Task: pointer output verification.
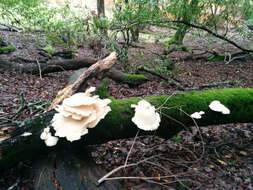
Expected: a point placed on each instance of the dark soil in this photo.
(222, 160)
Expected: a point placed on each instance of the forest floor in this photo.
(222, 158)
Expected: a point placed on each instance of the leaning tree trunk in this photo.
(189, 12)
(117, 124)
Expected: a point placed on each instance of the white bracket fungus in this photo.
(78, 113)
(197, 115)
(26, 134)
(217, 106)
(146, 117)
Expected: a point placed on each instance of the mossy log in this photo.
(117, 124)
(131, 79)
(7, 49)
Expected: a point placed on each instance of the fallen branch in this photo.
(80, 84)
(212, 33)
(48, 67)
(105, 177)
(152, 72)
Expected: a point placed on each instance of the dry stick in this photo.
(136, 177)
(131, 147)
(38, 184)
(201, 138)
(39, 69)
(203, 148)
(166, 101)
(105, 177)
(179, 122)
(230, 59)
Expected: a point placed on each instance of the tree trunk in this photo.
(188, 16)
(117, 124)
(180, 34)
(101, 7)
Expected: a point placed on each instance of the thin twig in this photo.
(131, 148)
(123, 166)
(39, 69)
(230, 59)
(201, 137)
(166, 101)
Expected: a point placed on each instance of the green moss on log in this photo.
(117, 124)
(217, 57)
(7, 49)
(135, 79)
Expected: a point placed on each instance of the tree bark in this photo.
(101, 7)
(117, 124)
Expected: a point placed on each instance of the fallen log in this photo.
(117, 124)
(130, 79)
(47, 67)
(43, 67)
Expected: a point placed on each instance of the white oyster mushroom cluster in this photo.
(48, 138)
(146, 117)
(217, 106)
(197, 115)
(78, 113)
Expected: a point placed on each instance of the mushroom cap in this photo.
(51, 140)
(79, 99)
(70, 128)
(146, 118)
(197, 115)
(100, 114)
(79, 112)
(25, 134)
(89, 90)
(217, 106)
(45, 134)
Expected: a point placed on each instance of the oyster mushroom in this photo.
(218, 107)
(146, 117)
(197, 115)
(48, 138)
(78, 113)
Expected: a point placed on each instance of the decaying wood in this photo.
(48, 67)
(95, 69)
(72, 168)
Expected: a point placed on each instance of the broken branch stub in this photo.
(80, 84)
